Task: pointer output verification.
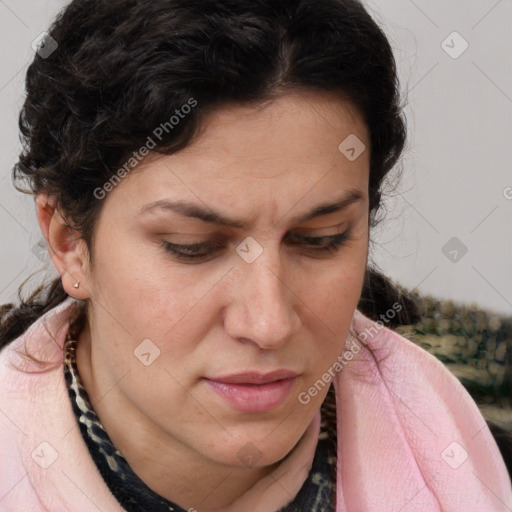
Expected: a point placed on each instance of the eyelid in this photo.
(210, 239)
(336, 228)
(200, 239)
(318, 232)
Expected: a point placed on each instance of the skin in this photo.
(291, 308)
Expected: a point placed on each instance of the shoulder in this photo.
(38, 427)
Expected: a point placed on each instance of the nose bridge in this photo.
(264, 306)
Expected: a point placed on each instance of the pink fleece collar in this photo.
(410, 437)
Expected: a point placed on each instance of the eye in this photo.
(197, 251)
(322, 245)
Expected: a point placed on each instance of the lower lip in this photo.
(254, 397)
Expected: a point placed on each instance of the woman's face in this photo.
(258, 292)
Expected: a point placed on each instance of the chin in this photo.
(251, 449)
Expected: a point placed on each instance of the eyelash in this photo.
(333, 245)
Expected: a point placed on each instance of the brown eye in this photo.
(321, 244)
(193, 251)
(204, 250)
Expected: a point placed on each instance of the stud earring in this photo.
(76, 285)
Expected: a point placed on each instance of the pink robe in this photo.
(410, 437)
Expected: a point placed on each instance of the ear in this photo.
(69, 255)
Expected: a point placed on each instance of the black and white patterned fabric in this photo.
(316, 495)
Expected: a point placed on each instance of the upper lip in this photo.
(254, 377)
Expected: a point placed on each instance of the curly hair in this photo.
(122, 67)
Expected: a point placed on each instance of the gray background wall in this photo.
(456, 187)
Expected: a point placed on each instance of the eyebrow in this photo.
(207, 215)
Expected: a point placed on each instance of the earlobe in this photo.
(64, 247)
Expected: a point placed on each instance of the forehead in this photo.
(266, 157)
(293, 125)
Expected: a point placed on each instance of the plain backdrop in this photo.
(448, 226)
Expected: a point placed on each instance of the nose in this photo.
(262, 308)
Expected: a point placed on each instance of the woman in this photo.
(206, 175)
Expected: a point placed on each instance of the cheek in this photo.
(128, 289)
(333, 301)
(142, 295)
(333, 294)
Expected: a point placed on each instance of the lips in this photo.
(254, 392)
(255, 377)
